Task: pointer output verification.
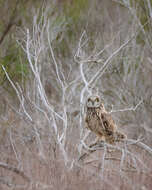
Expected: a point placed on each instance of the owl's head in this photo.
(93, 101)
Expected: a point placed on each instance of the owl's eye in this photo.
(89, 100)
(97, 99)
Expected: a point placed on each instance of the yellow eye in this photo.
(97, 99)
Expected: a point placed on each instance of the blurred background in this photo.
(52, 53)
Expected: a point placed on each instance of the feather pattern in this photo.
(100, 122)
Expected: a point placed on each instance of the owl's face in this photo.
(93, 102)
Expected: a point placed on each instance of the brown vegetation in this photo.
(55, 53)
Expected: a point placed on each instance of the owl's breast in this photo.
(93, 122)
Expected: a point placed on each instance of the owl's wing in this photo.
(107, 123)
(86, 122)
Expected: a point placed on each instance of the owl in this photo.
(99, 121)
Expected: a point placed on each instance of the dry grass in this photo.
(42, 127)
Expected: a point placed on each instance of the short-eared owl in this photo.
(99, 121)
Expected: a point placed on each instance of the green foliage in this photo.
(15, 64)
(69, 21)
(75, 13)
(1, 26)
(73, 9)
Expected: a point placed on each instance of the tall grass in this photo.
(44, 142)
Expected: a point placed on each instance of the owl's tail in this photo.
(120, 136)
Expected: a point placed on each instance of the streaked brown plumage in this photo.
(100, 121)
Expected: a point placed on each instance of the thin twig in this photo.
(127, 109)
(16, 170)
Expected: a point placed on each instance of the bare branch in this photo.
(16, 170)
(127, 109)
(107, 62)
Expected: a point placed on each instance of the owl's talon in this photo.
(110, 150)
(101, 142)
